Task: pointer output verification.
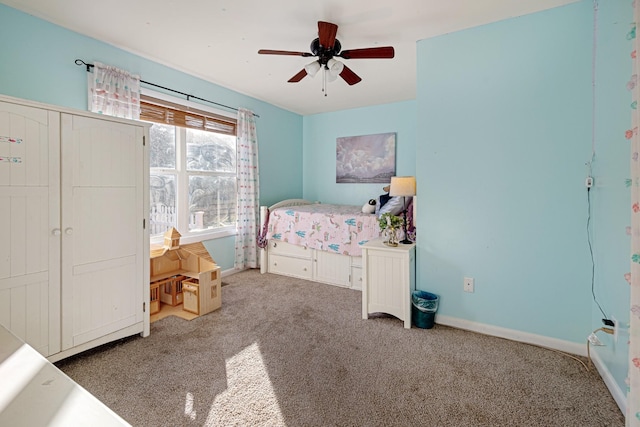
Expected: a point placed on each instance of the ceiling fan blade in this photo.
(327, 34)
(349, 76)
(370, 52)
(283, 52)
(298, 77)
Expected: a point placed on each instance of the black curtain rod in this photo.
(189, 97)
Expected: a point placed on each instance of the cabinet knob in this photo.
(304, 269)
(56, 232)
(275, 245)
(68, 231)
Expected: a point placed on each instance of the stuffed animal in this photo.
(369, 207)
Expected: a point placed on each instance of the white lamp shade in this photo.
(402, 186)
(312, 68)
(335, 67)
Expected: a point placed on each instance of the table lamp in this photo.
(403, 186)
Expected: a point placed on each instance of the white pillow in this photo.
(394, 206)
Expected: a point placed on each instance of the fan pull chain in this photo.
(324, 81)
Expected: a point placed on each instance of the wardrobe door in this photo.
(30, 218)
(102, 228)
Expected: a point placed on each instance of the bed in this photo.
(314, 241)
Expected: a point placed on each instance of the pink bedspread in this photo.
(335, 228)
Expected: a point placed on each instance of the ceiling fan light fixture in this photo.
(312, 68)
(325, 47)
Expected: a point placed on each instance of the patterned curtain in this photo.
(114, 92)
(633, 396)
(248, 192)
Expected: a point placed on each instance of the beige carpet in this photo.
(286, 352)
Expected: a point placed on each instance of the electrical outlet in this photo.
(588, 182)
(615, 329)
(468, 284)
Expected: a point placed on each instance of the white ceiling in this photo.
(218, 40)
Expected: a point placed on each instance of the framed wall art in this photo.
(366, 158)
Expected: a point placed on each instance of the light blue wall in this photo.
(321, 131)
(505, 113)
(611, 168)
(37, 63)
(504, 110)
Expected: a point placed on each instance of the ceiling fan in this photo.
(326, 47)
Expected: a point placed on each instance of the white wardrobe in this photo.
(74, 252)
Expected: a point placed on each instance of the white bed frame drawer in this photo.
(277, 247)
(296, 267)
(332, 268)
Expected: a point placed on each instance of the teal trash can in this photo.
(423, 309)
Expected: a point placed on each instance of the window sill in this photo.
(197, 237)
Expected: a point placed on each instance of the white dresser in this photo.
(388, 277)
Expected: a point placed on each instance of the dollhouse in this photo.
(184, 275)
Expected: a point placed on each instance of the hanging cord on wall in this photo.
(189, 97)
(594, 51)
(593, 263)
(593, 148)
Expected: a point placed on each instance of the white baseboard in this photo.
(512, 334)
(618, 395)
(542, 341)
(229, 272)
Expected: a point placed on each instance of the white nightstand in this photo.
(388, 277)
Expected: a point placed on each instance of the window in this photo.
(192, 170)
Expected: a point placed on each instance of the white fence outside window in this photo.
(163, 217)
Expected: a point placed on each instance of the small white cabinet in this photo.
(388, 277)
(73, 202)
